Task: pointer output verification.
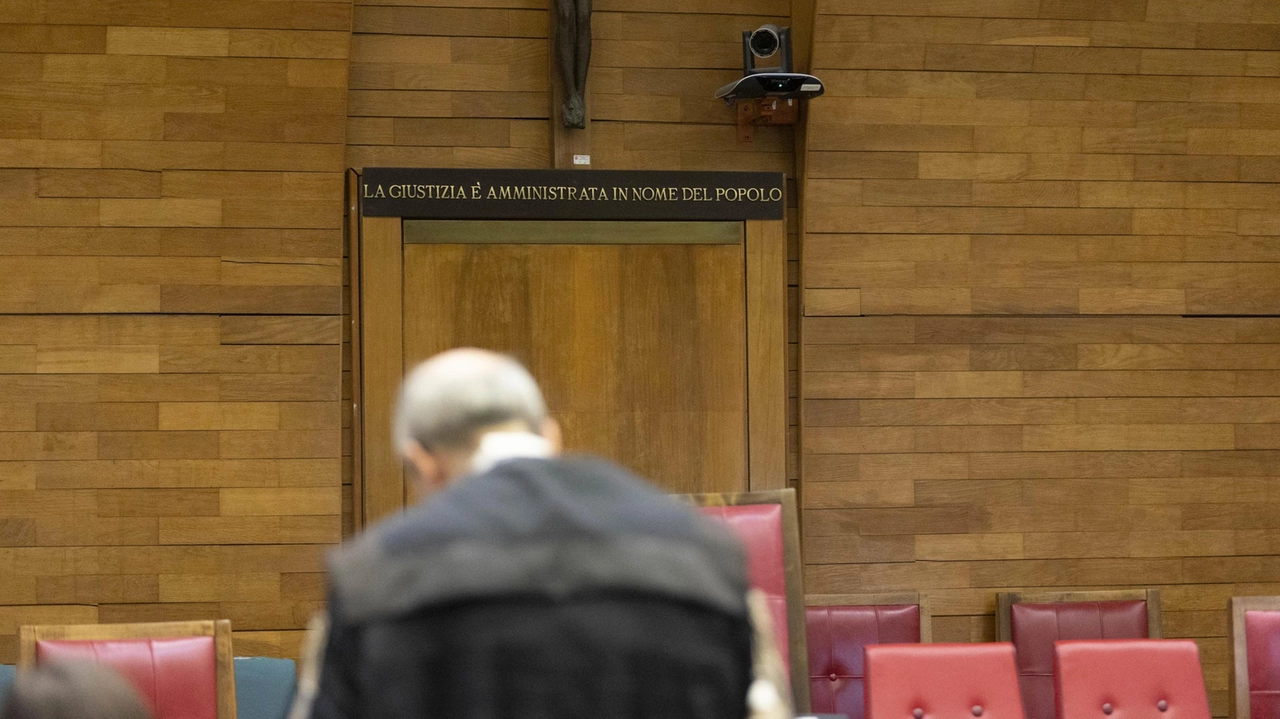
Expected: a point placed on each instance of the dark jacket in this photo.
(557, 588)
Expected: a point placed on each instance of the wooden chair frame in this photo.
(1006, 600)
(793, 570)
(1240, 708)
(867, 600)
(220, 630)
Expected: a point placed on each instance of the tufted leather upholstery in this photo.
(1036, 627)
(1129, 679)
(759, 526)
(837, 636)
(177, 677)
(1262, 641)
(942, 681)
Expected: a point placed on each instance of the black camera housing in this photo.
(778, 81)
(772, 84)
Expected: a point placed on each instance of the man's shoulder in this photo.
(538, 526)
(523, 498)
(528, 497)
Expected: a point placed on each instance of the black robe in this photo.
(557, 588)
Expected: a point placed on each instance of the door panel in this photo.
(640, 348)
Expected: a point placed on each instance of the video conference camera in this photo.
(779, 81)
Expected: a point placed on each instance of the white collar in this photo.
(496, 447)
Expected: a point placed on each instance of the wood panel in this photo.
(170, 322)
(969, 455)
(466, 84)
(766, 312)
(412, 89)
(382, 363)
(650, 374)
(140, 467)
(1040, 300)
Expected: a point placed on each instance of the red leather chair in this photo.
(1129, 679)
(184, 670)
(767, 525)
(942, 681)
(1034, 622)
(759, 526)
(840, 627)
(1255, 644)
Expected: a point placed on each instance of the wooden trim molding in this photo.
(220, 630)
(803, 30)
(793, 568)
(571, 232)
(803, 16)
(1006, 600)
(382, 352)
(766, 282)
(352, 228)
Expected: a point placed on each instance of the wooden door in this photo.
(641, 349)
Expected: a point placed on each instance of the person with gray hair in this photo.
(525, 583)
(462, 411)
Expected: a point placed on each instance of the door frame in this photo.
(376, 257)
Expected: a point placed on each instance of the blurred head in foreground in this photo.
(72, 690)
(464, 410)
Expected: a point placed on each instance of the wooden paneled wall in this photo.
(454, 83)
(171, 311)
(1042, 256)
(444, 83)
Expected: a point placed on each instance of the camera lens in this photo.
(765, 41)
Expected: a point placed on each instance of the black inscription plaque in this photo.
(454, 194)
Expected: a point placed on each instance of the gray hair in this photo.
(445, 401)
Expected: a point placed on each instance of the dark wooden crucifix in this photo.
(573, 50)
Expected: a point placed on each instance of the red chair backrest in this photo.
(837, 636)
(1035, 627)
(1262, 642)
(942, 681)
(177, 677)
(759, 527)
(1129, 679)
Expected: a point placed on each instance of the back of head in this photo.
(72, 690)
(448, 400)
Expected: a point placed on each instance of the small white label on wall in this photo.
(582, 159)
